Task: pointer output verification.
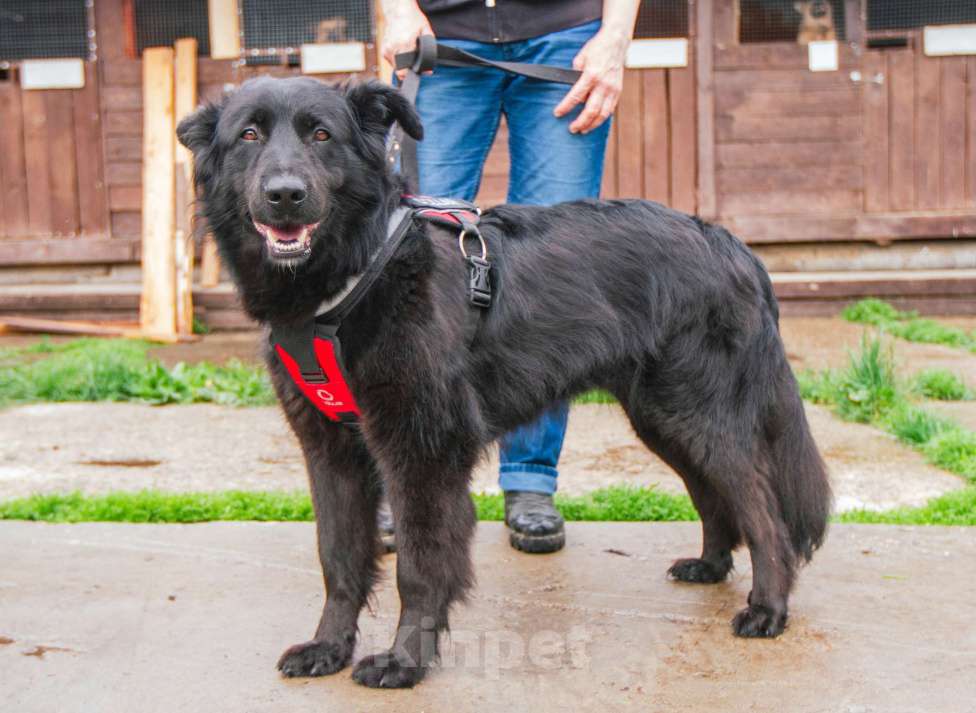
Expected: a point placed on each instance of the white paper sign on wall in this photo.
(646, 54)
(331, 57)
(945, 40)
(52, 74)
(823, 56)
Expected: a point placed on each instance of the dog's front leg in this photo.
(345, 493)
(426, 468)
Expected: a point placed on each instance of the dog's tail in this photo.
(799, 476)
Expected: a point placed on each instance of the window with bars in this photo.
(48, 29)
(797, 21)
(662, 18)
(910, 14)
(273, 32)
(159, 23)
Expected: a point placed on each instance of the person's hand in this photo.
(602, 63)
(404, 24)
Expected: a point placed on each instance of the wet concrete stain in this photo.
(39, 651)
(122, 463)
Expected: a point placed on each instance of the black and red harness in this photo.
(312, 353)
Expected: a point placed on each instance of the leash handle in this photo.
(430, 53)
(425, 58)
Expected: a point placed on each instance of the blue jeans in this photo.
(461, 108)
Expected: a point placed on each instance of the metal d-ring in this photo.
(484, 247)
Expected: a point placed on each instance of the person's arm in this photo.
(404, 24)
(602, 63)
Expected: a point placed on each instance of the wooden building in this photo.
(849, 164)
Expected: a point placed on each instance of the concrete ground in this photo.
(105, 446)
(119, 618)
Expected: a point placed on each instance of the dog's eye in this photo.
(321, 135)
(249, 135)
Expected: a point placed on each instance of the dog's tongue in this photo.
(285, 234)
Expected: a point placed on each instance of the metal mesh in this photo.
(159, 23)
(33, 29)
(798, 21)
(277, 29)
(909, 14)
(662, 18)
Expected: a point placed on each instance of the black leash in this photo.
(425, 58)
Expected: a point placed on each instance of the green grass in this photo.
(868, 391)
(956, 508)
(121, 370)
(616, 503)
(908, 325)
(613, 504)
(941, 385)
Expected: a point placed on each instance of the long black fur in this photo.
(676, 317)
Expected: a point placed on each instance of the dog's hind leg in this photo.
(427, 467)
(345, 493)
(726, 466)
(720, 534)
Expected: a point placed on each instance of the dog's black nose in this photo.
(285, 192)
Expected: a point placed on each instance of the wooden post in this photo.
(186, 100)
(225, 31)
(705, 75)
(384, 70)
(157, 309)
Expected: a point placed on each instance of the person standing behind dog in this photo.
(557, 141)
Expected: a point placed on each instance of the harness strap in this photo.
(330, 312)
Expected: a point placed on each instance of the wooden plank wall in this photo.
(920, 131)
(787, 140)
(51, 163)
(651, 150)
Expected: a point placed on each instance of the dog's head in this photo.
(815, 13)
(282, 165)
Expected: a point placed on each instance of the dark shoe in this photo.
(534, 524)
(384, 521)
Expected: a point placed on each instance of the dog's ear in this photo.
(197, 130)
(378, 105)
(798, 6)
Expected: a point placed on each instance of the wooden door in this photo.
(919, 131)
(51, 163)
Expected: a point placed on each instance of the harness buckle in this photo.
(479, 281)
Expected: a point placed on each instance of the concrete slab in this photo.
(107, 618)
(107, 446)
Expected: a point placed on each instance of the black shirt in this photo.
(506, 20)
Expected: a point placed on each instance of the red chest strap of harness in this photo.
(312, 353)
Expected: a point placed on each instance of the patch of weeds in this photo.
(956, 508)
(121, 370)
(199, 326)
(908, 325)
(913, 425)
(942, 385)
(867, 389)
(596, 396)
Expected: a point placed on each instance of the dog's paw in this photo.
(315, 658)
(385, 671)
(698, 571)
(758, 621)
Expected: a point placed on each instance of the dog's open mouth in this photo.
(289, 240)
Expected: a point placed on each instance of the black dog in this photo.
(674, 316)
